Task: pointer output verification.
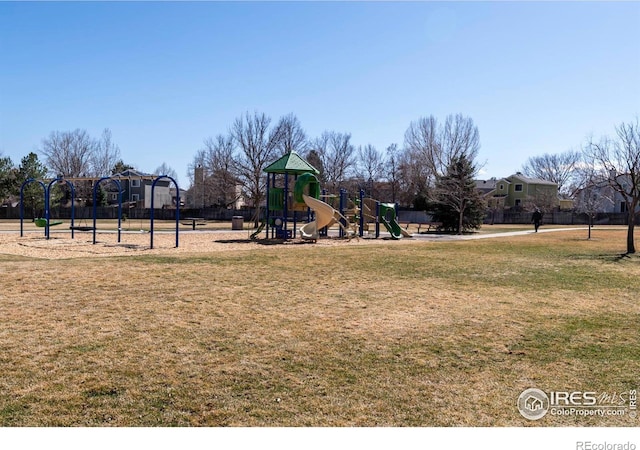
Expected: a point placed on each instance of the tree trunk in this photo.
(631, 248)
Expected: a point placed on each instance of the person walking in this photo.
(536, 219)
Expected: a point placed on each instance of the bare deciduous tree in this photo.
(620, 156)
(370, 167)
(415, 179)
(289, 135)
(392, 170)
(431, 148)
(218, 183)
(165, 169)
(69, 153)
(459, 139)
(318, 151)
(591, 192)
(337, 155)
(77, 154)
(422, 146)
(438, 146)
(105, 155)
(257, 145)
(557, 168)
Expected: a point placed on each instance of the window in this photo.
(135, 183)
(518, 202)
(135, 197)
(518, 188)
(623, 207)
(114, 196)
(501, 187)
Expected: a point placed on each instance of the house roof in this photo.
(486, 185)
(604, 183)
(291, 163)
(134, 174)
(529, 180)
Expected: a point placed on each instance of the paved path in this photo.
(464, 237)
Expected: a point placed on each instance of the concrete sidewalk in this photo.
(466, 237)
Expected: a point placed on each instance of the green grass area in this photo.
(389, 334)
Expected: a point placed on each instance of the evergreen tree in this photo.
(31, 167)
(459, 205)
(7, 178)
(120, 167)
(314, 159)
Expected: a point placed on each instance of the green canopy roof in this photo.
(291, 163)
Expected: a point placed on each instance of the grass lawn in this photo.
(389, 334)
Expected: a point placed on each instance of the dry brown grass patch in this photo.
(342, 333)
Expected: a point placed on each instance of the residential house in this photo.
(486, 186)
(602, 198)
(174, 196)
(519, 192)
(208, 191)
(136, 189)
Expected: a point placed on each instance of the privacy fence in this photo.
(129, 213)
(492, 217)
(558, 218)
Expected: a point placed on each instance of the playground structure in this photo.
(325, 216)
(294, 197)
(47, 223)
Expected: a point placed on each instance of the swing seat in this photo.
(81, 228)
(43, 223)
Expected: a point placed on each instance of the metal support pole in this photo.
(44, 189)
(47, 208)
(73, 200)
(361, 227)
(285, 206)
(267, 215)
(153, 188)
(377, 219)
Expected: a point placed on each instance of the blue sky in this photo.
(536, 77)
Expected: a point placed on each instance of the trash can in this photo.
(237, 222)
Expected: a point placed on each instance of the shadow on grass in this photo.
(234, 241)
(130, 246)
(262, 241)
(619, 257)
(610, 257)
(283, 242)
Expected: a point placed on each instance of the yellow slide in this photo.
(325, 217)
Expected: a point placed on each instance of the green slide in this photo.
(388, 219)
